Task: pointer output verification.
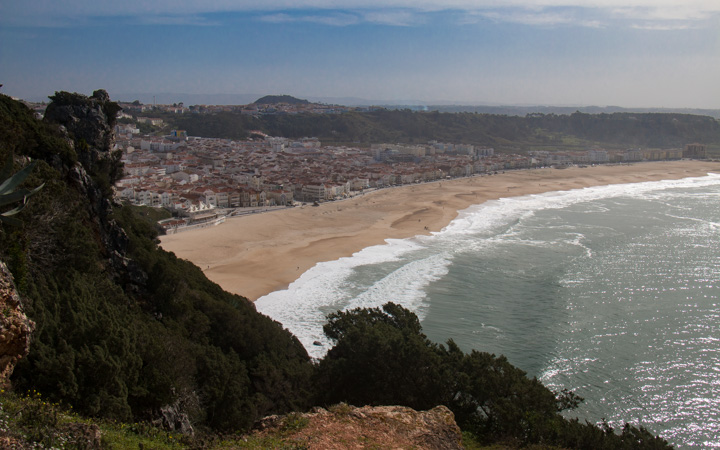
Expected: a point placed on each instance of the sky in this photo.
(630, 53)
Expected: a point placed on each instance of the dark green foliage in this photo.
(226, 125)
(111, 109)
(633, 129)
(122, 337)
(382, 357)
(493, 398)
(230, 405)
(22, 134)
(69, 98)
(275, 99)
(149, 214)
(620, 130)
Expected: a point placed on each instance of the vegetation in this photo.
(124, 329)
(275, 99)
(122, 337)
(511, 133)
(381, 357)
(31, 421)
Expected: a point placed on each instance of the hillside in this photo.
(567, 110)
(276, 99)
(127, 332)
(123, 328)
(511, 133)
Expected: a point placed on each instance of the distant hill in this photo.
(275, 99)
(561, 110)
(576, 131)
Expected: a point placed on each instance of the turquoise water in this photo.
(610, 291)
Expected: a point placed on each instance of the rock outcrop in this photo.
(88, 124)
(343, 426)
(88, 120)
(175, 418)
(15, 327)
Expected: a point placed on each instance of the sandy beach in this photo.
(258, 254)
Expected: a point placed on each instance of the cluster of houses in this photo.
(196, 174)
(190, 174)
(601, 156)
(253, 109)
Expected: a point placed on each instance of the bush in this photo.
(381, 356)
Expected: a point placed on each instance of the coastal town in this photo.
(203, 180)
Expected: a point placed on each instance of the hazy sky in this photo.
(633, 53)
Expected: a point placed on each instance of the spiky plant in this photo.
(7, 196)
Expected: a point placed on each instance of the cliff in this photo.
(89, 122)
(125, 330)
(15, 327)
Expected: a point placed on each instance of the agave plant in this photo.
(7, 196)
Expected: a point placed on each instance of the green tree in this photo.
(124, 328)
(380, 357)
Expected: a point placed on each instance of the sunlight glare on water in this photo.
(609, 291)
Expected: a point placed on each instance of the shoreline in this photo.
(255, 255)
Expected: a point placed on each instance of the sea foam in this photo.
(402, 269)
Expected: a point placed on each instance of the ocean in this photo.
(610, 291)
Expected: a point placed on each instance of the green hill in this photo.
(123, 327)
(511, 133)
(276, 99)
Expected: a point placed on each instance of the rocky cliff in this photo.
(15, 327)
(343, 427)
(89, 122)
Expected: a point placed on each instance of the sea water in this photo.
(610, 291)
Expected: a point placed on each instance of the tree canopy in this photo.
(124, 328)
(536, 131)
(275, 99)
(381, 356)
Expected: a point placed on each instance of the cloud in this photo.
(661, 26)
(190, 20)
(395, 18)
(335, 19)
(540, 18)
(338, 19)
(587, 13)
(664, 13)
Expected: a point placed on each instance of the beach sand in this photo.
(260, 253)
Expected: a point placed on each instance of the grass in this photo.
(38, 423)
(294, 422)
(151, 215)
(34, 422)
(29, 421)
